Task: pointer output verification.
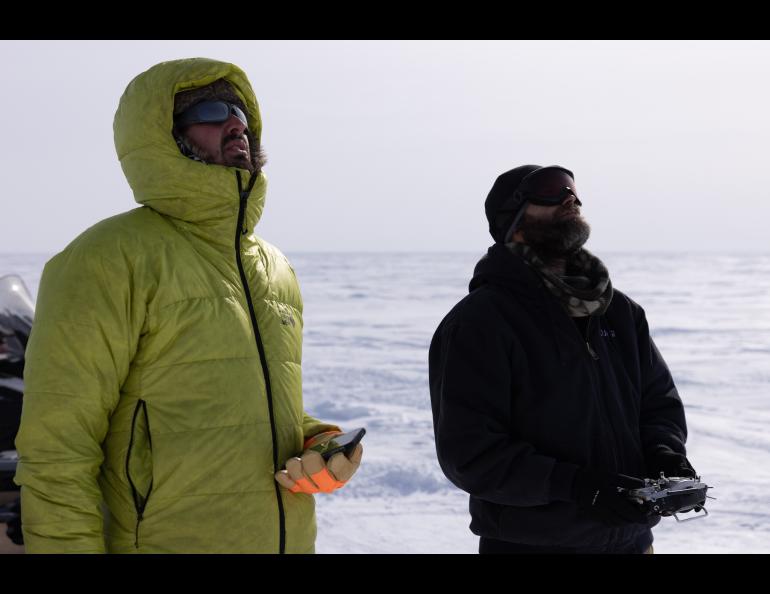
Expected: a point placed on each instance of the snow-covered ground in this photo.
(369, 319)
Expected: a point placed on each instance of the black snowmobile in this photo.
(17, 311)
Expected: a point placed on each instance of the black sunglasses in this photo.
(535, 188)
(550, 199)
(210, 112)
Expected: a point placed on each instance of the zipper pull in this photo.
(592, 352)
(244, 199)
(136, 533)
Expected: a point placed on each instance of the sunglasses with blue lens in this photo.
(209, 112)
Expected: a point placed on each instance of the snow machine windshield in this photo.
(17, 311)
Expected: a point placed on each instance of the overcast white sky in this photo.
(393, 146)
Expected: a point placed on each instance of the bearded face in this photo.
(554, 232)
(215, 143)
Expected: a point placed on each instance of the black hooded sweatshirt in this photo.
(522, 397)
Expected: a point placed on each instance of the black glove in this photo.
(597, 494)
(667, 461)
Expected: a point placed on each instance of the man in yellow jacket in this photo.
(163, 382)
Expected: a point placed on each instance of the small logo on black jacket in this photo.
(606, 333)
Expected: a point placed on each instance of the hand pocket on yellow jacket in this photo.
(139, 458)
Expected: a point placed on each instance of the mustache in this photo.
(564, 212)
(232, 137)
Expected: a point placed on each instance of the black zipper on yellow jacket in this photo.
(244, 196)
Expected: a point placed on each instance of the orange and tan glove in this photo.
(310, 473)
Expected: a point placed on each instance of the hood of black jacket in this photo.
(500, 266)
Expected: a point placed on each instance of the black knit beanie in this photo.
(503, 188)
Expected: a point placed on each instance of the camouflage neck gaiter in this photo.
(586, 288)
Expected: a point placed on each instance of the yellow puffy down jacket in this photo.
(163, 379)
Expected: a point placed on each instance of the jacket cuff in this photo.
(318, 437)
(562, 479)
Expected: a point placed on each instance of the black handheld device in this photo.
(668, 496)
(344, 443)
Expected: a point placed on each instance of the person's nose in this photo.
(570, 200)
(234, 126)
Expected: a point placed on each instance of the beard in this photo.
(241, 161)
(556, 238)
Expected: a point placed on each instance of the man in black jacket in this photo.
(548, 392)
